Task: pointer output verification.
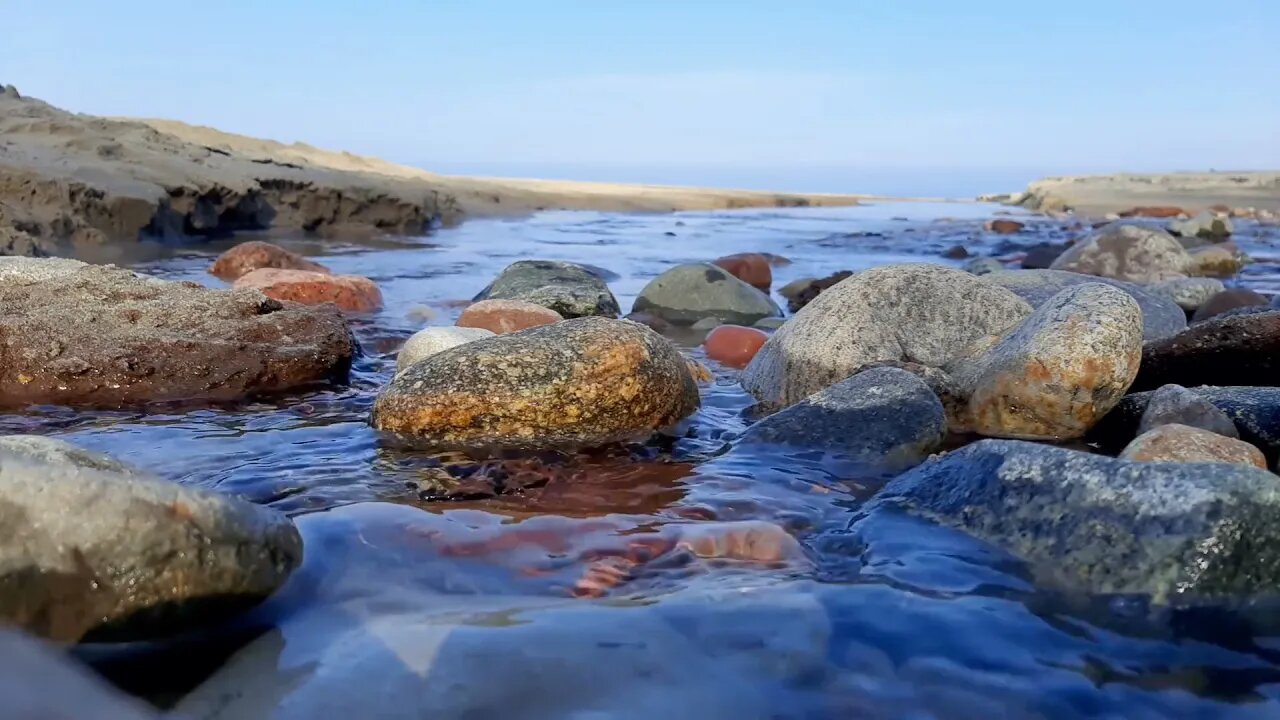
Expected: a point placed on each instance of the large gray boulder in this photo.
(686, 294)
(884, 419)
(1161, 316)
(568, 288)
(91, 549)
(1060, 371)
(1127, 252)
(1175, 532)
(926, 314)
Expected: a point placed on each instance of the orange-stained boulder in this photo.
(349, 292)
(734, 345)
(751, 268)
(255, 255)
(506, 316)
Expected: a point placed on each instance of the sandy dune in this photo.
(1101, 194)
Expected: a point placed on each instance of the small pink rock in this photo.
(506, 316)
(734, 345)
(349, 292)
(255, 255)
(751, 268)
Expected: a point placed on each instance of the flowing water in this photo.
(665, 579)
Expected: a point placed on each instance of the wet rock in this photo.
(1185, 444)
(1154, 211)
(506, 316)
(652, 322)
(805, 294)
(1241, 350)
(886, 419)
(587, 381)
(769, 323)
(1004, 227)
(1177, 533)
(1254, 411)
(38, 681)
(982, 266)
(795, 287)
(707, 323)
(91, 335)
(1229, 299)
(1221, 261)
(956, 252)
(914, 312)
(1188, 293)
(1176, 405)
(686, 294)
(1207, 225)
(254, 255)
(700, 373)
(1161, 317)
(1126, 252)
(145, 559)
(429, 341)
(1042, 256)
(570, 289)
(1059, 371)
(776, 260)
(349, 292)
(751, 268)
(734, 345)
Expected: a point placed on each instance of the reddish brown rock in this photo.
(1228, 299)
(1182, 443)
(751, 268)
(1225, 350)
(506, 316)
(103, 336)
(349, 292)
(734, 345)
(255, 255)
(1154, 211)
(1004, 227)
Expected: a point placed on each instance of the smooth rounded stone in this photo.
(734, 345)
(1185, 444)
(1004, 227)
(1227, 300)
(568, 288)
(1179, 533)
(686, 294)
(255, 254)
(886, 419)
(352, 293)
(948, 391)
(1042, 256)
(1176, 405)
(506, 316)
(982, 266)
(1254, 411)
(795, 287)
(753, 269)
(1234, 350)
(920, 313)
(1126, 252)
(97, 551)
(39, 682)
(1207, 225)
(707, 323)
(429, 341)
(1161, 317)
(1223, 260)
(1058, 372)
(811, 289)
(1188, 293)
(586, 381)
(103, 336)
(655, 324)
(956, 252)
(769, 323)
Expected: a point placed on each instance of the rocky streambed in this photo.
(934, 485)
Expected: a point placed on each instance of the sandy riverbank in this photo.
(1194, 192)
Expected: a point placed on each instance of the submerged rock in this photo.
(1220, 261)
(885, 419)
(1161, 317)
(751, 268)
(429, 341)
(1060, 370)
(352, 293)
(255, 254)
(920, 313)
(506, 316)
(570, 289)
(1188, 293)
(1207, 225)
(1186, 444)
(734, 345)
(1127, 252)
(1228, 300)
(686, 294)
(1178, 533)
(75, 334)
(1176, 405)
(1235, 350)
(95, 550)
(587, 381)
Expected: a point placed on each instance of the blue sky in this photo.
(742, 92)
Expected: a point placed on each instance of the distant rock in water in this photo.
(95, 550)
(352, 293)
(75, 334)
(1156, 211)
(429, 341)
(249, 256)
(1004, 227)
(1127, 252)
(570, 289)
(753, 269)
(685, 294)
(1207, 225)
(1042, 256)
(506, 316)
(802, 292)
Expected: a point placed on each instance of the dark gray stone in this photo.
(686, 294)
(1161, 316)
(884, 418)
(1040, 257)
(1179, 533)
(1176, 405)
(91, 549)
(1228, 300)
(570, 289)
(1255, 412)
(1225, 350)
